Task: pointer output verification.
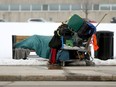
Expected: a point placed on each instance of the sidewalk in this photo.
(42, 73)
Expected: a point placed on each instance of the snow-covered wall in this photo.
(9, 29)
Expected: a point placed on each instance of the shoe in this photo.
(54, 66)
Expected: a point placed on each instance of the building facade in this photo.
(57, 10)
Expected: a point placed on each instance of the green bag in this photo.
(75, 22)
(69, 43)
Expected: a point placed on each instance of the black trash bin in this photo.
(105, 43)
(13, 42)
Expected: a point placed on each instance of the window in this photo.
(14, 7)
(36, 7)
(76, 7)
(45, 7)
(96, 7)
(113, 7)
(54, 7)
(4, 7)
(105, 7)
(25, 7)
(64, 7)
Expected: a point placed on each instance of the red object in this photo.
(53, 56)
(94, 42)
(91, 21)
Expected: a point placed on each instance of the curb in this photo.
(56, 78)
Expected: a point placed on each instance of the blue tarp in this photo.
(38, 43)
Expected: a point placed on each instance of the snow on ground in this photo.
(104, 62)
(31, 61)
(34, 59)
(43, 61)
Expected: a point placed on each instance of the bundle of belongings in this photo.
(36, 43)
(71, 41)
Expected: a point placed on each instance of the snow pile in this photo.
(104, 62)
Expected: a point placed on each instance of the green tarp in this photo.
(38, 43)
(75, 22)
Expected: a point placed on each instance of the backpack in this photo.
(86, 31)
(55, 42)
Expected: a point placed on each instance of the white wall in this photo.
(9, 29)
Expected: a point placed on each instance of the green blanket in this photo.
(37, 43)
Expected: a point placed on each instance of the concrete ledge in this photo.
(42, 73)
(56, 78)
